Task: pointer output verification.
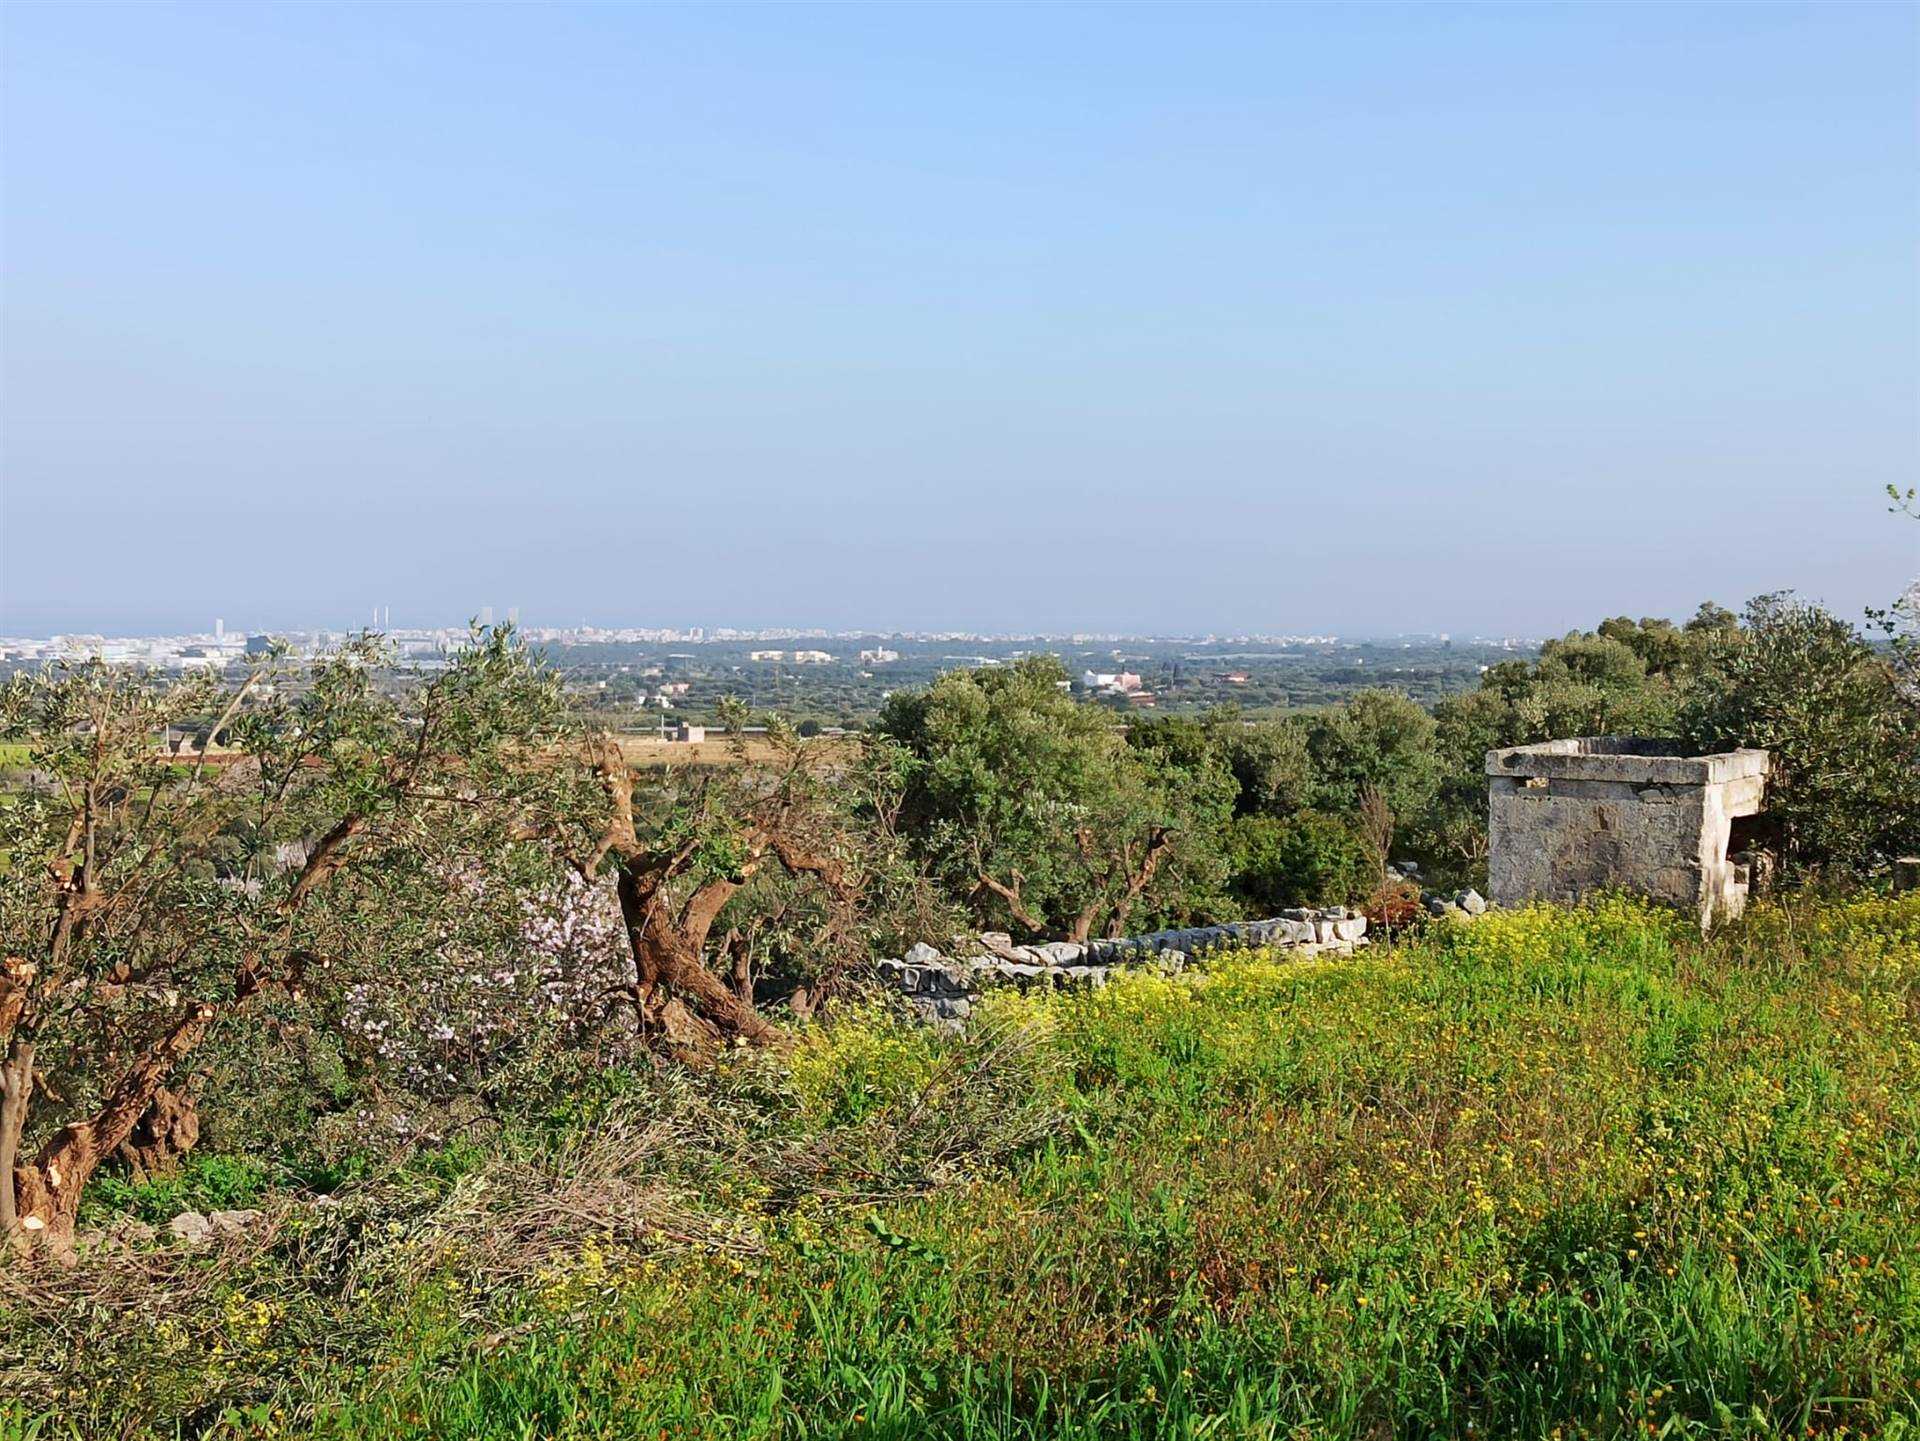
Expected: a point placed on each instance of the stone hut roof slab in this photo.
(1634, 760)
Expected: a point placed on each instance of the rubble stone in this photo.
(190, 1227)
(941, 990)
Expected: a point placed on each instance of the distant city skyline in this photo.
(233, 636)
(1016, 319)
(535, 621)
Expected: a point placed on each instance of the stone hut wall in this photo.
(1570, 817)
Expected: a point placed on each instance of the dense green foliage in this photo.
(1845, 738)
(1557, 1173)
(1308, 859)
(1036, 808)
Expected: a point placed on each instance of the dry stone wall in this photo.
(942, 986)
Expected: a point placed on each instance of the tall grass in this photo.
(1555, 1173)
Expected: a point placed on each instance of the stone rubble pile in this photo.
(942, 986)
(1459, 904)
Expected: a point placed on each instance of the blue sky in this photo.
(1252, 318)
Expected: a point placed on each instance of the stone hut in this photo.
(1570, 817)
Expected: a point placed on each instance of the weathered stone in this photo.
(921, 954)
(1572, 817)
(941, 991)
(235, 1223)
(1472, 902)
(190, 1227)
(121, 1234)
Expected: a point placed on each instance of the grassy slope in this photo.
(1557, 1174)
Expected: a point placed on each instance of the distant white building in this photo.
(1115, 683)
(766, 655)
(690, 734)
(878, 657)
(811, 657)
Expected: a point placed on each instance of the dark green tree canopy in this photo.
(1038, 809)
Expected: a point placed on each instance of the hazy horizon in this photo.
(1135, 319)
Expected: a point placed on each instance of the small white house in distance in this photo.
(692, 735)
(766, 655)
(811, 657)
(878, 657)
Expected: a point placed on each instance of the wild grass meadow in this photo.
(1558, 1173)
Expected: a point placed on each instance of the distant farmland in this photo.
(653, 753)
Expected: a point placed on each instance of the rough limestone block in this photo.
(1349, 928)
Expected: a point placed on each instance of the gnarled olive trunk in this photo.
(46, 1191)
(668, 966)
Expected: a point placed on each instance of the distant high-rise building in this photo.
(219, 628)
(486, 615)
(513, 615)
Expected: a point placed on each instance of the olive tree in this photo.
(1038, 811)
(700, 845)
(1841, 725)
(1375, 762)
(347, 831)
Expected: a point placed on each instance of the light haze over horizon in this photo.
(1158, 320)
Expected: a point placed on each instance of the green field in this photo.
(1556, 1174)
